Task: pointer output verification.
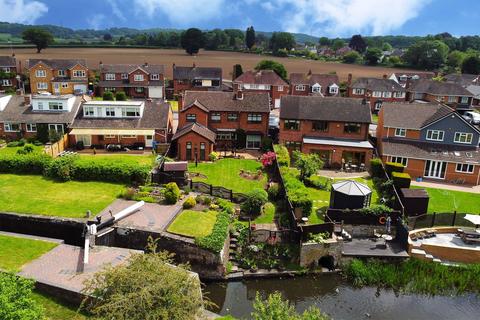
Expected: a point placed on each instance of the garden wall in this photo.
(69, 230)
(310, 253)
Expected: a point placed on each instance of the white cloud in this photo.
(95, 21)
(20, 11)
(268, 6)
(345, 17)
(181, 12)
(116, 9)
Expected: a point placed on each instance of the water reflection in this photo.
(341, 301)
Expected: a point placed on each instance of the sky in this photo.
(337, 18)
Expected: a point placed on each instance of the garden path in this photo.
(446, 186)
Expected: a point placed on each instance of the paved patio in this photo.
(446, 186)
(151, 217)
(447, 240)
(341, 174)
(63, 266)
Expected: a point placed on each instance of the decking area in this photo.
(373, 248)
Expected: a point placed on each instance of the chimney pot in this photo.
(194, 65)
(384, 76)
(349, 79)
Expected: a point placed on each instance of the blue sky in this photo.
(316, 17)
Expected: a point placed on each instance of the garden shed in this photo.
(415, 201)
(350, 194)
(171, 172)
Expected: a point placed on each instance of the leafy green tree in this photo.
(16, 301)
(455, 59)
(250, 37)
(394, 61)
(387, 46)
(107, 37)
(357, 43)
(281, 40)
(275, 308)
(372, 56)
(192, 40)
(471, 65)
(308, 164)
(147, 287)
(351, 57)
(236, 37)
(337, 44)
(324, 41)
(215, 39)
(426, 54)
(272, 65)
(38, 36)
(120, 96)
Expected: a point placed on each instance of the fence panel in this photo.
(221, 192)
(200, 187)
(442, 219)
(56, 148)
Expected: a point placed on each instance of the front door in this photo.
(435, 169)
(202, 151)
(148, 141)
(56, 88)
(86, 139)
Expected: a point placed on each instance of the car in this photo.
(472, 117)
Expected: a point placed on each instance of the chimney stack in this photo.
(309, 72)
(27, 99)
(384, 76)
(194, 65)
(145, 64)
(100, 64)
(180, 101)
(239, 95)
(349, 80)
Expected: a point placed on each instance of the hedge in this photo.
(24, 164)
(216, 240)
(89, 169)
(401, 179)
(393, 167)
(283, 157)
(376, 168)
(297, 192)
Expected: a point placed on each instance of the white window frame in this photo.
(216, 117)
(280, 88)
(402, 160)
(52, 104)
(300, 87)
(55, 126)
(400, 132)
(386, 94)
(333, 90)
(131, 110)
(463, 99)
(40, 73)
(154, 76)
(377, 94)
(399, 94)
(110, 112)
(252, 144)
(6, 82)
(79, 74)
(8, 126)
(358, 91)
(61, 73)
(254, 118)
(139, 90)
(138, 77)
(465, 168)
(88, 111)
(451, 99)
(467, 136)
(124, 76)
(128, 136)
(42, 85)
(439, 133)
(109, 76)
(31, 127)
(317, 89)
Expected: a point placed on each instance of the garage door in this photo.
(155, 92)
(80, 88)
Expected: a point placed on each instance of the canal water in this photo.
(340, 300)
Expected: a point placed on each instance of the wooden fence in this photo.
(217, 191)
(441, 219)
(56, 148)
(359, 218)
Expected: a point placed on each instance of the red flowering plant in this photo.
(268, 158)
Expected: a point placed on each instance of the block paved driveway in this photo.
(151, 217)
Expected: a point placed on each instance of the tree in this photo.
(357, 43)
(272, 65)
(39, 37)
(250, 37)
(107, 37)
(16, 300)
(192, 40)
(254, 201)
(337, 44)
(281, 40)
(471, 65)
(275, 308)
(237, 71)
(426, 54)
(351, 57)
(308, 164)
(372, 56)
(324, 41)
(387, 46)
(215, 39)
(455, 59)
(147, 287)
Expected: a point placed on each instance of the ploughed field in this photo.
(223, 59)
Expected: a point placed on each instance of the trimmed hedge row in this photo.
(391, 167)
(401, 179)
(297, 192)
(215, 240)
(73, 168)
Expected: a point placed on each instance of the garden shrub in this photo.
(215, 240)
(273, 191)
(376, 168)
(89, 169)
(393, 167)
(107, 96)
(267, 144)
(297, 192)
(128, 194)
(283, 157)
(376, 210)
(62, 168)
(401, 179)
(17, 301)
(12, 144)
(317, 182)
(189, 203)
(28, 148)
(268, 209)
(225, 205)
(120, 96)
(207, 201)
(144, 196)
(33, 163)
(256, 198)
(171, 193)
(213, 156)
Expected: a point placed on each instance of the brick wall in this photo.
(195, 139)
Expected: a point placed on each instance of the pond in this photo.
(340, 300)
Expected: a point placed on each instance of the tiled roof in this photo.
(463, 79)
(412, 115)
(126, 84)
(325, 108)
(191, 73)
(324, 80)
(127, 68)
(17, 111)
(155, 116)
(261, 77)
(375, 84)
(197, 128)
(226, 101)
(422, 150)
(7, 61)
(438, 88)
(57, 64)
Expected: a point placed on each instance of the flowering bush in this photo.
(268, 158)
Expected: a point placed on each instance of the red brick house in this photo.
(212, 120)
(263, 81)
(314, 84)
(137, 81)
(431, 140)
(375, 91)
(8, 73)
(135, 123)
(196, 78)
(335, 128)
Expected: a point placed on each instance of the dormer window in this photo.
(316, 88)
(155, 76)
(61, 73)
(110, 76)
(403, 78)
(124, 76)
(463, 137)
(131, 112)
(138, 77)
(358, 91)
(55, 106)
(333, 89)
(435, 135)
(376, 94)
(79, 73)
(110, 112)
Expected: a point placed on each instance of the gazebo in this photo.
(350, 194)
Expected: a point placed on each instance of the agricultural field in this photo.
(222, 59)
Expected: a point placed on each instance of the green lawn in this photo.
(38, 195)
(374, 118)
(268, 215)
(56, 310)
(13, 150)
(193, 224)
(148, 159)
(448, 201)
(16, 251)
(174, 105)
(226, 173)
